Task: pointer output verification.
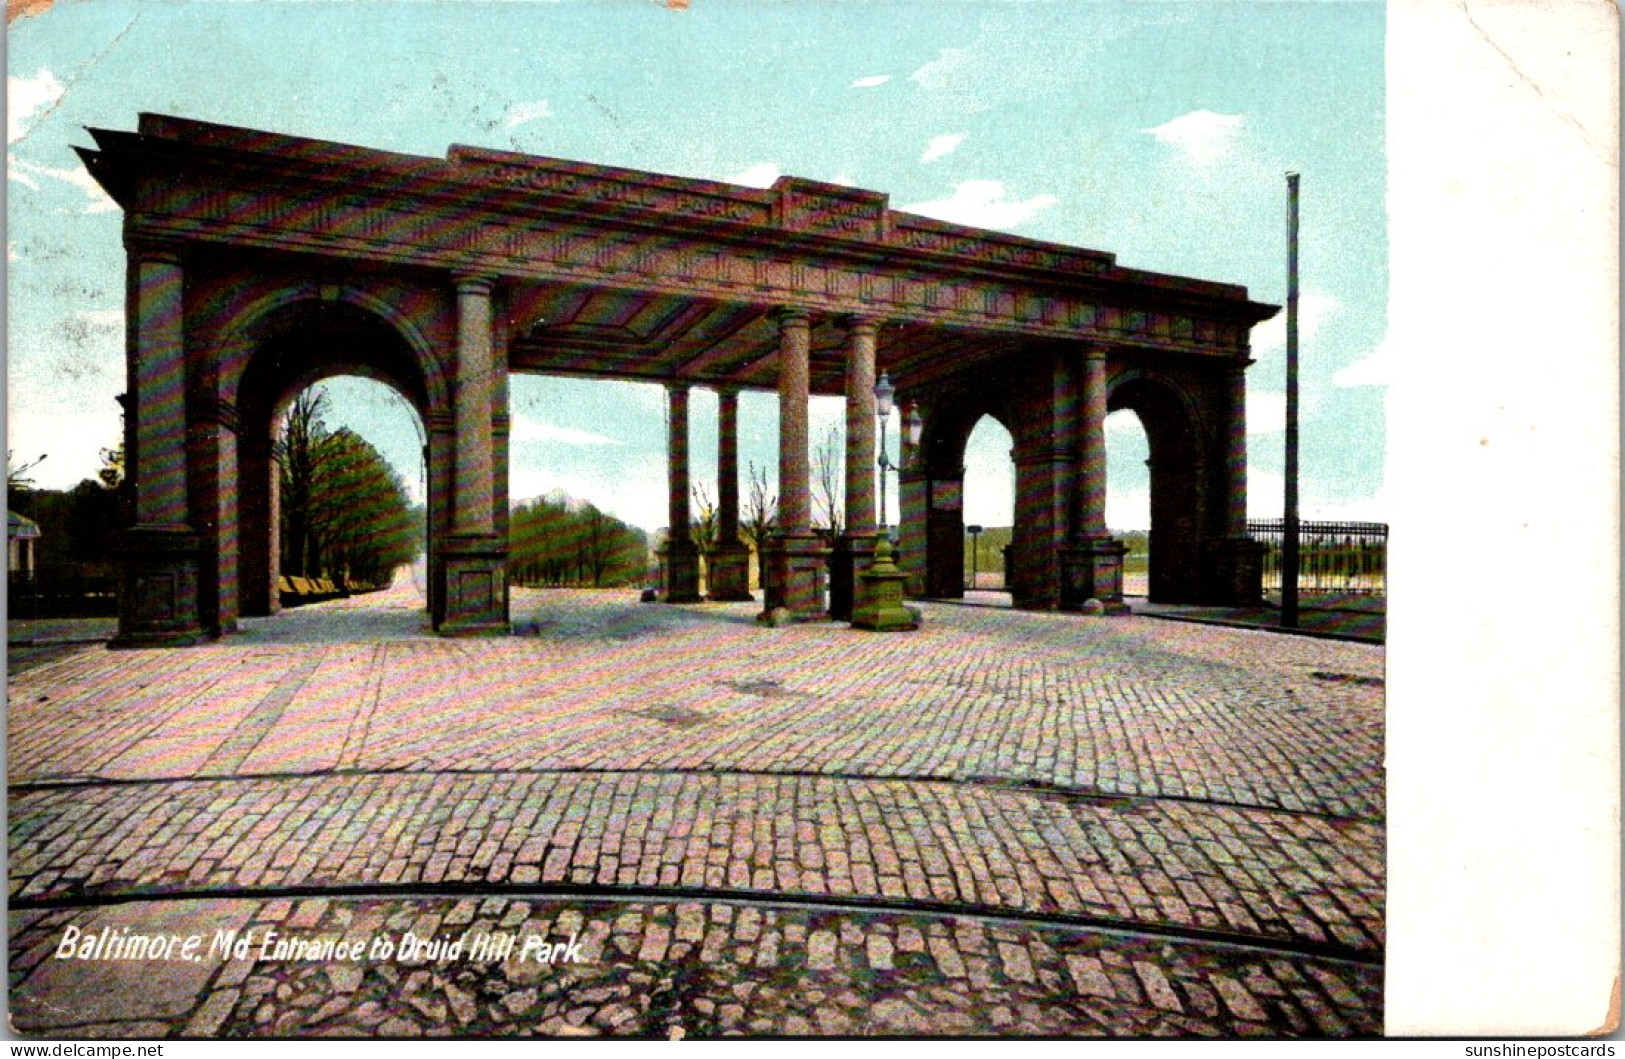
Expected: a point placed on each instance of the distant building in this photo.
(22, 535)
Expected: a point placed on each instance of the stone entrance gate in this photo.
(261, 263)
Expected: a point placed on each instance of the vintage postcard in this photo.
(706, 519)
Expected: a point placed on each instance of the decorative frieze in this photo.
(589, 252)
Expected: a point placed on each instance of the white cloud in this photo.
(1374, 369)
(527, 429)
(520, 113)
(983, 203)
(103, 317)
(100, 201)
(26, 97)
(1202, 136)
(760, 175)
(1314, 309)
(874, 81)
(843, 179)
(942, 146)
(1266, 413)
(946, 70)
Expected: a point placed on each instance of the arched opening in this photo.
(1128, 496)
(375, 399)
(588, 490)
(990, 509)
(351, 481)
(1177, 490)
(967, 472)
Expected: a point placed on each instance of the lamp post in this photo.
(975, 552)
(884, 392)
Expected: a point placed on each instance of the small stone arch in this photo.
(1183, 464)
(933, 487)
(1016, 393)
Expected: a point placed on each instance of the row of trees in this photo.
(345, 513)
(556, 541)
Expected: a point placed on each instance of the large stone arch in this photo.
(285, 346)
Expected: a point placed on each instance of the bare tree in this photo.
(702, 528)
(761, 512)
(828, 466)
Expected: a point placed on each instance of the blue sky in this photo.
(1159, 132)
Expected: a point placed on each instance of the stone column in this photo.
(795, 347)
(1092, 448)
(681, 561)
(913, 489)
(158, 604)
(474, 565)
(441, 457)
(1092, 565)
(214, 454)
(856, 548)
(794, 579)
(728, 565)
(473, 407)
(1233, 566)
(860, 428)
(1235, 456)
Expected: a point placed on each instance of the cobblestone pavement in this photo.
(1004, 823)
(697, 968)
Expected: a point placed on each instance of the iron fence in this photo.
(62, 590)
(1333, 557)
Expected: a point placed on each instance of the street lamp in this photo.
(912, 427)
(884, 392)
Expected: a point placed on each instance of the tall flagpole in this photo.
(1289, 543)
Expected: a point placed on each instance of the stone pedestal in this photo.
(679, 572)
(1233, 572)
(849, 556)
(727, 573)
(879, 603)
(793, 578)
(158, 589)
(1093, 570)
(474, 568)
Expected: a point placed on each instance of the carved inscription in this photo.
(605, 190)
(858, 216)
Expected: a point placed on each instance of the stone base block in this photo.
(475, 573)
(848, 556)
(1233, 572)
(679, 572)
(879, 603)
(158, 589)
(1092, 573)
(793, 578)
(727, 574)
